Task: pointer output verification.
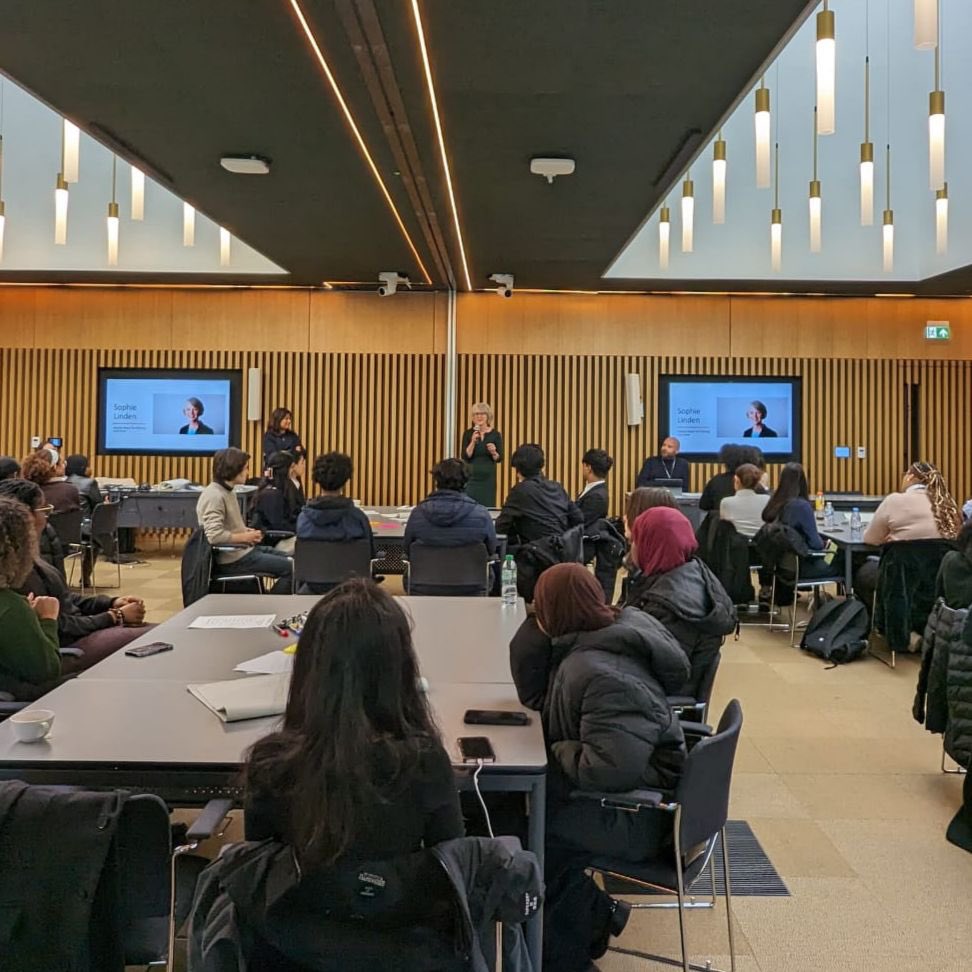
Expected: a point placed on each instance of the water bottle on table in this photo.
(828, 516)
(856, 530)
(508, 578)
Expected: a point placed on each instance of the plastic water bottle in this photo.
(508, 586)
(829, 516)
(855, 525)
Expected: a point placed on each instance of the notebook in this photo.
(255, 697)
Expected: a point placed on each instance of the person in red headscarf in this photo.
(677, 589)
(600, 677)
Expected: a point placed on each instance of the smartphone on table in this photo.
(472, 749)
(495, 717)
(143, 651)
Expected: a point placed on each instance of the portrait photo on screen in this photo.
(737, 417)
(195, 415)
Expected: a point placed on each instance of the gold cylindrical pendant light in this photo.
(936, 129)
(815, 200)
(719, 180)
(138, 193)
(887, 229)
(224, 247)
(112, 219)
(71, 152)
(664, 235)
(188, 225)
(941, 220)
(60, 210)
(776, 220)
(688, 215)
(762, 124)
(926, 24)
(826, 71)
(867, 153)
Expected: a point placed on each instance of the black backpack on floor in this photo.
(837, 632)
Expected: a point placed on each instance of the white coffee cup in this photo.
(32, 725)
(357, 502)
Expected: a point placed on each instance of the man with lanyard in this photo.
(666, 465)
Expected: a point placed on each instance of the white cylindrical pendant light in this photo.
(71, 152)
(3, 221)
(112, 234)
(224, 247)
(60, 210)
(887, 238)
(815, 215)
(138, 193)
(926, 24)
(776, 240)
(867, 184)
(664, 235)
(688, 215)
(941, 220)
(188, 225)
(936, 139)
(826, 71)
(762, 122)
(719, 181)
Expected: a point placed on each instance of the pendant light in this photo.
(941, 220)
(688, 214)
(664, 235)
(826, 71)
(887, 229)
(60, 202)
(188, 225)
(112, 220)
(926, 24)
(776, 220)
(224, 247)
(867, 153)
(936, 128)
(815, 201)
(138, 193)
(762, 124)
(70, 151)
(719, 180)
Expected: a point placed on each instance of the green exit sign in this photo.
(938, 331)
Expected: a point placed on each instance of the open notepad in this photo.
(245, 698)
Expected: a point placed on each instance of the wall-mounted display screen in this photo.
(170, 412)
(706, 412)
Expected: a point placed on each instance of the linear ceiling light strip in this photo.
(357, 134)
(438, 130)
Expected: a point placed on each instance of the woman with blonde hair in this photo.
(482, 449)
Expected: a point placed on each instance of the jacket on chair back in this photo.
(693, 606)
(537, 507)
(448, 518)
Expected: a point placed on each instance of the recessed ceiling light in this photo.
(245, 164)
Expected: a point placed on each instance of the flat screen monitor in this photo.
(706, 412)
(167, 412)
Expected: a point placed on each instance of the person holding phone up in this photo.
(482, 449)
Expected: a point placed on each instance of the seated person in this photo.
(78, 471)
(600, 677)
(97, 625)
(593, 501)
(221, 519)
(744, 509)
(923, 510)
(536, 507)
(677, 589)
(29, 647)
(448, 517)
(280, 499)
(358, 729)
(666, 465)
(646, 498)
(954, 581)
(9, 468)
(39, 467)
(723, 484)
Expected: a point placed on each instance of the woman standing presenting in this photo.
(280, 436)
(482, 448)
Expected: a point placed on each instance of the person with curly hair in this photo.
(49, 472)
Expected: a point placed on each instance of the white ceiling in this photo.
(739, 249)
(31, 160)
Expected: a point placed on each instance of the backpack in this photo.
(837, 632)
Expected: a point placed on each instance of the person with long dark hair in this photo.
(599, 676)
(280, 436)
(722, 484)
(358, 769)
(280, 499)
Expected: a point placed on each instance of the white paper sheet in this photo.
(244, 698)
(233, 621)
(272, 663)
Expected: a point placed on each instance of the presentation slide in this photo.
(163, 413)
(706, 414)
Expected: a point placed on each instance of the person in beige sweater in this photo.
(219, 516)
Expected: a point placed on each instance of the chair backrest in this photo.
(703, 691)
(67, 526)
(445, 567)
(906, 587)
(703, 789)
(104, 520)
(330, 562)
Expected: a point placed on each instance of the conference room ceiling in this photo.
(621, 87)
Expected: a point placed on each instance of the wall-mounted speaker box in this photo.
(634, 408)
(254, 395)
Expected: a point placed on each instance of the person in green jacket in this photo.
(28, 625)
(954, 581)
(482, 450)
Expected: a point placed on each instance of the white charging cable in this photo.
(482, 802)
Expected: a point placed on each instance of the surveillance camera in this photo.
(504, 282)
(391, 280)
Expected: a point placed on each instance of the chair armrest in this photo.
(71, 652)
(9, 708)
(696, 729)
(231, 546)
(630, 800)
(275, 536)
(209, 820)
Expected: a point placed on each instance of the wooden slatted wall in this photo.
(385, 410)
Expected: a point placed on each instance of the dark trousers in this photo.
(606, 574)
(866, 582)
(263, 560)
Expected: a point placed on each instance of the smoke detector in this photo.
(245, 164)
(551, 168)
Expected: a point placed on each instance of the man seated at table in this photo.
(666, 465)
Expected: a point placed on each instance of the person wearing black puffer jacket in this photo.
(679, 590)
(600, 677)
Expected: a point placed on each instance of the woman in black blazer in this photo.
(280, 436)
(193, 411)
(756, 413)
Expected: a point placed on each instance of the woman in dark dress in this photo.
(280, 436)
(482, 448)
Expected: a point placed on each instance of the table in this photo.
(160, 509)
(841, 535)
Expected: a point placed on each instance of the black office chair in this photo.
(103, 536)
(448, 571)
(699, 809)
(695, 707)
(67, 526)
(323, 564)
